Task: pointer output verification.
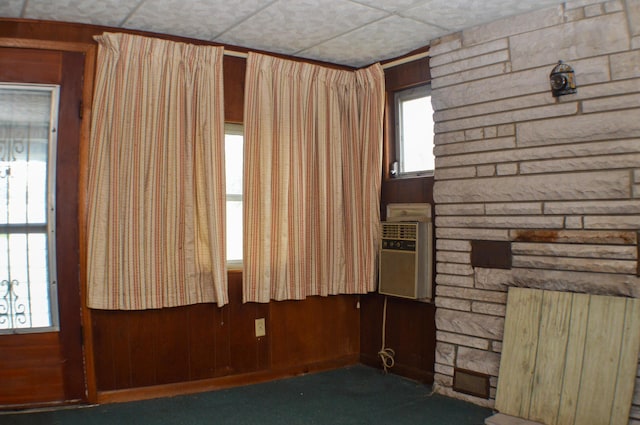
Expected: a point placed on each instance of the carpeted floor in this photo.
(347, 396)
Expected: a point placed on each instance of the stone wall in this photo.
(556, 178)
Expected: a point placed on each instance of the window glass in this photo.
(28, 115)
(233, 167)
(414, 132)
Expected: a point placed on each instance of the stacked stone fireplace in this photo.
(553, 183)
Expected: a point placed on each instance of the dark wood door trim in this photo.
(79, 374)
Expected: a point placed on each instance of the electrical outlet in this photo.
(260, 328)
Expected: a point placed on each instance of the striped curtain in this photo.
(156, 197)
(313, 155)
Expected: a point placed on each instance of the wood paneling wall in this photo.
(155, 347)
(410, 327)
(172, 347)
(139, 349)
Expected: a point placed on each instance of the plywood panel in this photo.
(553, 339)
(628, 365)
(520, 346)
(574, 359)
(577, 365)
(601, 358)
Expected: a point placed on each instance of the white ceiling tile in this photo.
(289, 26)
(203, 19)
(11, 8)
(99, 12)
(350, 32)
(388, 38)
(460, 14)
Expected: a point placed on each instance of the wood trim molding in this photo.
(83, 178)
(191, 387)
(64, 46)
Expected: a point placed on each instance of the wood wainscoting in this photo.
(143, 354)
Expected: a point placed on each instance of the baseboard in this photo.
(410, 372)
(40, 406)
(212, 384)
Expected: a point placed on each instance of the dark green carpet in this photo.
(347, 396)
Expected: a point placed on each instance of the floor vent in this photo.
(472, 383)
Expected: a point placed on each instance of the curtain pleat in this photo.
(313, 155)
(156, 197)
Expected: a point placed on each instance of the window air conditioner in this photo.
(406, 259)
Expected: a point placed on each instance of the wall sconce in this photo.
(562, 79)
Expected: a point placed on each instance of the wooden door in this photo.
(47, 368)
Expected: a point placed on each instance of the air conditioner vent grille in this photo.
(405, 266)
(408, 231)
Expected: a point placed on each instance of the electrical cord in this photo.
(386, 354)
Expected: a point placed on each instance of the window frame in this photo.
(50, 225)
(238, 130)
(399, 96)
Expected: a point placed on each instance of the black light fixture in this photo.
(562, 79)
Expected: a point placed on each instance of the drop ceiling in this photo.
(348, 32)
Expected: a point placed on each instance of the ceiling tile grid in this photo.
(456, 15)
(202, 19)
(290, 26)
(347, 32)
(380, 40)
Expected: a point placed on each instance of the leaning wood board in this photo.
(569, 359)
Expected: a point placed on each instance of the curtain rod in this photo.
(387, 65)
(405, 59)
(236, 54)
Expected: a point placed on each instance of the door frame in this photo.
(90, 51)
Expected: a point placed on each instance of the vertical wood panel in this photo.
(223, 342)
(601, 357)
(234, 77)
(623, 394)
(549, 367)
(316, 329)
(247, 354)
(67, 246)
(172, 349)
(587, 346)
(520, 345)
(121, 344)
(103, 359)
(143, 356)
(202, 340)
(574, 359)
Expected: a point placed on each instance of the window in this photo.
(233, 140)
(414, 132)
(28, 119)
